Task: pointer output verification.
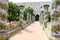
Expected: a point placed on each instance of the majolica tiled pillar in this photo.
(30, 17)
(42, 17)
(56, 19)
(45, 15)
(27, 16)
(21, 13)
(33, 18)
(3, 18)
(3, 10)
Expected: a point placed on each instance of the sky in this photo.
(19, 1)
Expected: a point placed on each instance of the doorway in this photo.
(37, 18)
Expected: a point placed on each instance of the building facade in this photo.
(37, 6)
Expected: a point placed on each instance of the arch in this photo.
(37, 17)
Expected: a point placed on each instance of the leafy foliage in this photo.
(49, 17)
(28, 10)
(13, 12)
(25, 14)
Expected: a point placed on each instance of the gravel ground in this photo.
(32, 32)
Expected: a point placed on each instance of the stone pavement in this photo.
(32, 32)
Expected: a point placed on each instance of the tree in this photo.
(28, 10)
(13, 12)
(25, 14)
(49, 17)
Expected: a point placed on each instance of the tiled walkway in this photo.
(32, 32)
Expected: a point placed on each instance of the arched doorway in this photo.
(37, 18)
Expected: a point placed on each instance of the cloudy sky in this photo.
(17, 1)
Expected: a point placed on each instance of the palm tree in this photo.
(30, 10)
(25, 14)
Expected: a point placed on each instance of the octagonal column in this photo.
(30, 17)
(41, 17)
(3, 19)
(56, 19)
(27, 16)
(45, 15)
(21, 13)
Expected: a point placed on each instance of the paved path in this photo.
(32, 32)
